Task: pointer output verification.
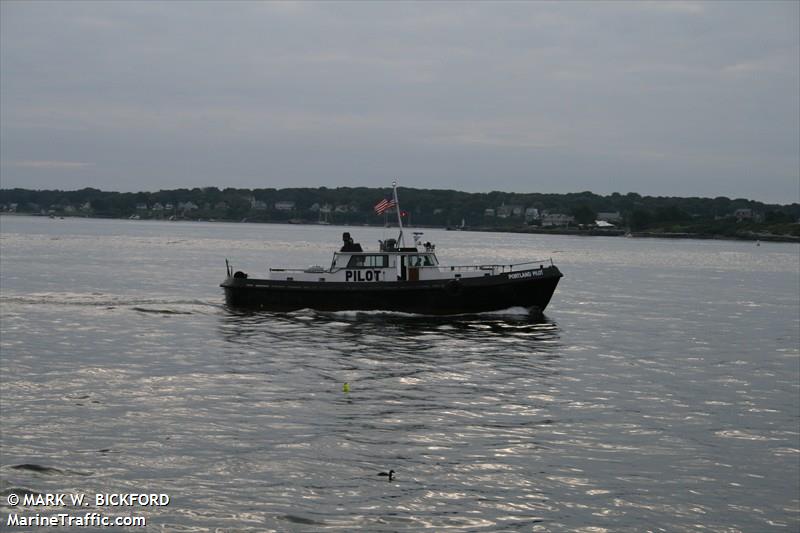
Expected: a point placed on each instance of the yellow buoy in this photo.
(346, 387)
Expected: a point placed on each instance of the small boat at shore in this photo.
(396, 277)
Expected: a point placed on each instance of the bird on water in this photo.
(390, 473)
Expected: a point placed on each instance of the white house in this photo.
(284, 206)
(557, 219)
(257, 205)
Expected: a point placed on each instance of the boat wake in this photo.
(166, 306)
(162, 311)
(511, 312)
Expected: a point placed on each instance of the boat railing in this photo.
(496, 268)
(312, 269)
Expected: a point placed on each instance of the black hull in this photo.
(531, 289)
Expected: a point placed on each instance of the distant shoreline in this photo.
(644, 234)
(536, 213)
(589, 232)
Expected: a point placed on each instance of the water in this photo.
(660, 392)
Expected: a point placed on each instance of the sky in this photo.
(663, 98)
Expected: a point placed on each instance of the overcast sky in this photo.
(660, 98)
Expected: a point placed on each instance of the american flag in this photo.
(384, 205)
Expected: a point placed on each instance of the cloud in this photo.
(50, 165)
(669, 6)
(302, 93)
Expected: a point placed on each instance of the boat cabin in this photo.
(389, 263)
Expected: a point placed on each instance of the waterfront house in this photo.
(557, 219)
(284, 206)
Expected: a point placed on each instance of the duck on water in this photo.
(396, 277)
(390, 474)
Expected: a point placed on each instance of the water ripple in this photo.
(659, 393)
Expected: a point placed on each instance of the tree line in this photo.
(424, 207)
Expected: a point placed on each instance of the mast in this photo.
(400, 242)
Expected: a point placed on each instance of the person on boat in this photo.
(349, 245)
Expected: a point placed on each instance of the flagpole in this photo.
(400, 242)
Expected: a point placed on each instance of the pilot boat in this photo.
(396, 277)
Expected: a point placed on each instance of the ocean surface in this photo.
(661, 391)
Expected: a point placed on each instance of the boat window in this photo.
(420, 261)
(368, 261)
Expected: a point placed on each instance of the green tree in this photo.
(584, 214)
(640, 219)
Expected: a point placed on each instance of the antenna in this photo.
(400, 242)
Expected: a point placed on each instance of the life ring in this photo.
(454, 287)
